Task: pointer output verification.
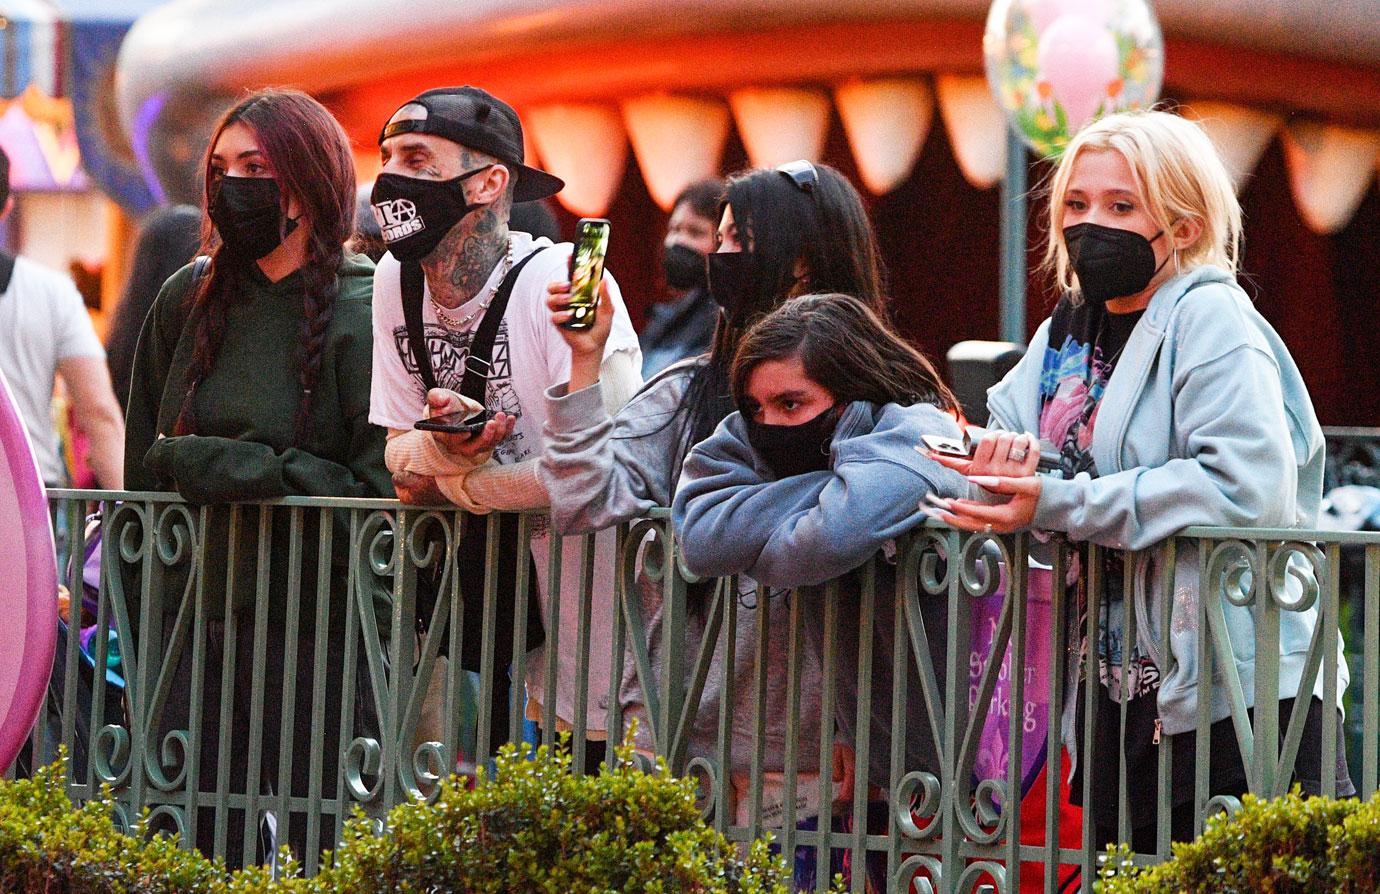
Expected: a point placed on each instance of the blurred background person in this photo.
(367, 239)
(45, 332)
(167, 243)
(681, 324)
(536, 219)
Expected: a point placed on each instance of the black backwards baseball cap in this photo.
(477, 119)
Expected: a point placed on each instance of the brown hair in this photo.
(311, 160)
(847, 348)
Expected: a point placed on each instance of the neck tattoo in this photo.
(460, 324)
(461, 264)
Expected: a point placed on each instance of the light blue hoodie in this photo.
(1206, 421)
(733, 516)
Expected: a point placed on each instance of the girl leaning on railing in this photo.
(814, 475)
(1172, 403)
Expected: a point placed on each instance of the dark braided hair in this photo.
(309, 155)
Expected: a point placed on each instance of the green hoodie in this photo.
(245, 411)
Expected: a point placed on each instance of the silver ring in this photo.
(1018, 454)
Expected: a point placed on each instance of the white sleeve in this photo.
(395, 400)
(622, 337)
(73, 333)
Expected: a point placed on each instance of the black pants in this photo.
(472, 567)
(1226, 771)
(596, 752)
(274, 776)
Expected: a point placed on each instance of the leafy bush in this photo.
(1289, 845)
(48, 845)
(534, 828)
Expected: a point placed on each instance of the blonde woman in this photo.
(1173, 403)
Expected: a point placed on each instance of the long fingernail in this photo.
(939, 501)
(984, 480)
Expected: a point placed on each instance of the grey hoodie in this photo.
(602, 471)
(1205, 421)
(732, 516)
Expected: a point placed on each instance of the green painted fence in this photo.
(276, 677)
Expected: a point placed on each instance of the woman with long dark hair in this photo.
(252, 382)
(782, 232)
(778, 241)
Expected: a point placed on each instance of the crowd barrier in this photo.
(262, 674)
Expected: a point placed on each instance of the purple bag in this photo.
(993, 744)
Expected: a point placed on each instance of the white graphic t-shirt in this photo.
(529, 356)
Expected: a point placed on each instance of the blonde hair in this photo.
(1178, 173)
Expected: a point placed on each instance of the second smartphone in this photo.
(586, 270)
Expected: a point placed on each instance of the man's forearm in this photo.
(105, 431)
(98, 416)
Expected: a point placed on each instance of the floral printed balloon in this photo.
(1055, 65)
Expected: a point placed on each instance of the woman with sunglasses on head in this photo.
(782, 233)
(1173, 403)
(251, 381)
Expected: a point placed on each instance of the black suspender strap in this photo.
(6, 270)
(412, 282)
(480, 358)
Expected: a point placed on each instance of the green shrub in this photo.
(1289, 845)
(48, 845)
(1355, 849)
(536, 827)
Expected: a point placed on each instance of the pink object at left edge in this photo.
(28, 583)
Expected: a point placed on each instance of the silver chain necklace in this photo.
(459, 325)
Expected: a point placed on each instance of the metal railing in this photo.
(1353, 457)
(272, 676)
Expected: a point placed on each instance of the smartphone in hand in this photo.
(586, 270)
(964, 446)
(455, 423)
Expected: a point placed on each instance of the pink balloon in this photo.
(1043, 13)
(1077, 58)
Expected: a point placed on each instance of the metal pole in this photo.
(1013, 223)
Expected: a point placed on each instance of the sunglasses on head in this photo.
(801, 173)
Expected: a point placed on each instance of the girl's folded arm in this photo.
(724, 511)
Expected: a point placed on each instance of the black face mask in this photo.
(684, 267)
(795, 449)
(1110, 263)
(414, 215)
(730, 280)
(248, 214)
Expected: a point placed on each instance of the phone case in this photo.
(587, 253)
